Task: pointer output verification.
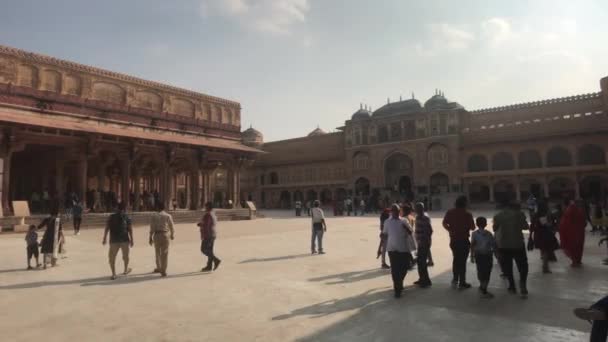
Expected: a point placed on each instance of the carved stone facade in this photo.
(67, 127)
(436, 151)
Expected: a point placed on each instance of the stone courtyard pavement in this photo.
(269, 288)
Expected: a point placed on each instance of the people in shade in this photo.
(458, 221)
(572, 232)
(386, 213)
(542, 235)
(423, 232)
(509, 224)
(482, 254)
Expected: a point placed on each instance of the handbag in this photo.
(530, 244)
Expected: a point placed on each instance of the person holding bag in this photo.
(318, 228)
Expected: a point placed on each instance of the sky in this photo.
(298, 64)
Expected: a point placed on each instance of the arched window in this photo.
(477, 163)
(591, 155)
(361, 161)
(502, 161)
(274, 178)
(530, 159)
(382, 133)
(438, 156)
(559, 156)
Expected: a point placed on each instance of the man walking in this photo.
(423, 232)
(318, 228)
(77, 210)
(121, 237)
(208, 226)
(398, 232)
(459, 222)
(509, 225)
(161, 230)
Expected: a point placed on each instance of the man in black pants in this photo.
(459, 222)
(509, 225)
(398, 232)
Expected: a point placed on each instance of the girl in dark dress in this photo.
(542, 234)
(50, 239)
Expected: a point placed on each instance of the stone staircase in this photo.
(98, 220)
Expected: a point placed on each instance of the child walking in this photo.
(482, 253)
(31, 238)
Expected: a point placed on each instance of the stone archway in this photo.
(479, 192)
(504, 190)
(362, 187)
(594, 187)
(285, 199)
(398, 173)
(561, 188)
(326, 197)
(311, 195)
(440, 183)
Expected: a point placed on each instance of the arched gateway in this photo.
(398, 173)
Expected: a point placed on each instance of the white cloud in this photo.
(268, 16)
(443, 38)
(453, 37)
(496, 31)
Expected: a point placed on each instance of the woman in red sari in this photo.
(572, 232)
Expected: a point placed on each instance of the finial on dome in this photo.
(360, 105)
(388, 100)
(413, 96)
(400, 98)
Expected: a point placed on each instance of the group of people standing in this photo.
(121, 238)
(406, 230)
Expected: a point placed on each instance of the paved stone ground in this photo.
(270, 289)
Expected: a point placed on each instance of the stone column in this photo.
(491, 186)
(125, 173)
(136, 189)
(195, 201)
(82, 179)
(577, 188)
(206, 186)
(101, 177)
(517, 190)
(59, 186)
(5, 185)
(546, 187)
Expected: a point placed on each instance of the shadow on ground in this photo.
(377, 315)
(101, 281)
(351, 277)
(279, 258)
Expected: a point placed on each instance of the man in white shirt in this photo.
(398, 232)
(318, 228)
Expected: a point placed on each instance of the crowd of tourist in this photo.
(405, 236)
(119, 229)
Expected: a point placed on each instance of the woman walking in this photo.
(542, 234)
(572, 233)
(51, 238)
